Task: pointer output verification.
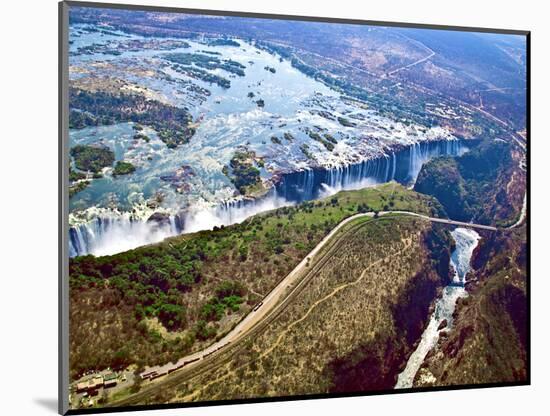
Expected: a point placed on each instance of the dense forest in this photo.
(91, 158)
(210, 62)
(104, 108)
(468, 186)
(243, 172)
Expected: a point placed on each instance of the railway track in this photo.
(218, 356)
(223, 356)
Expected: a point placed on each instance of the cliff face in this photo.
(350, 328)
(441, 178)
(487, 343)
(376, 364)
(485, 184)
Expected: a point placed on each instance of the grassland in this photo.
(115, 299)
(318, 344)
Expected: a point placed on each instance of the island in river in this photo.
(211, 162)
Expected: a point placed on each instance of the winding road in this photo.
(262, 310)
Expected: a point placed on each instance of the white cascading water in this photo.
(120, 232)
(328, 190)
(107, 235)
(466, 241)
(232, 212)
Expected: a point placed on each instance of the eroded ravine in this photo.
(442, 317)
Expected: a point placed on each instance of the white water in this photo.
(228, 119)
(108, 235)
(117, 232)
(466, 241)
(207, 218)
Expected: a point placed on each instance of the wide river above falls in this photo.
(110, 215)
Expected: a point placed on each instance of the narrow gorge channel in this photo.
(466, 241)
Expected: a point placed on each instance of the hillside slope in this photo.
(157, 303)
(384, 270)
(488, 343)
(484, 185)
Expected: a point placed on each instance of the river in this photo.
(110, 215)
(466, 241)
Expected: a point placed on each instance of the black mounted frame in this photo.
(63, 283)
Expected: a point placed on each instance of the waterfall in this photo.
(402, 166)
(394, 165)
(231, 212)
(466, 241)
(115, 233)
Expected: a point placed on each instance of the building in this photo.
(95, 383)
(110, 380)
(91, 385)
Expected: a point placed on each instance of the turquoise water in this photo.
(226, 119)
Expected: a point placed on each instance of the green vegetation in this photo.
(75, 175)
(203, 75)
(288, 136)
(330, 138)
(229, 296)
(92, 158)
(116, 49)
(223, 42)
(170, 281)
(275, 140)
(105, 108)
(123, 168)
(305, 150)
(472, 186)
(204, 331)
(209, 62)
(142, 136)
(77, 187)
(316, 344)
(345, 122)
(317, 137)
(260, 103)
(243, 173)
(171, 315)
(270, 69)
(441, 178)
(210, 52)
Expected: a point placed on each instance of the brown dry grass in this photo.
(348, 303)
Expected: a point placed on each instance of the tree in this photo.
(172, 316)
(121, 358)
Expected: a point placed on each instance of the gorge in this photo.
(114, 232)
(441, 319)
